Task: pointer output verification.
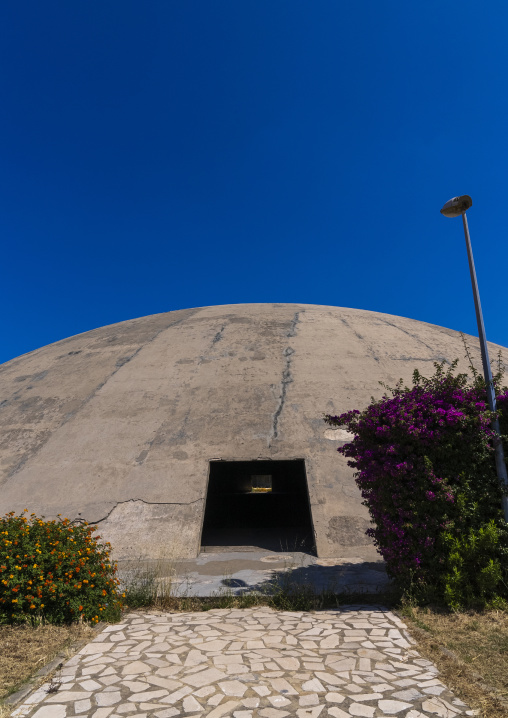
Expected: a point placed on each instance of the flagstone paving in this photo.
(249, 663)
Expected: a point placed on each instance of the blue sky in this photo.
(168, 154)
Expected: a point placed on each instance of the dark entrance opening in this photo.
(258, 504)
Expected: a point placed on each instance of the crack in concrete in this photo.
(409, 334)
(406, 358)
(181, 433)
(148, 503)
(294, 322)
(287, 378)
(218, 336)
(159, 433)
(89, 398)
(360, 337)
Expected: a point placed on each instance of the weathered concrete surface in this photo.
(118, 425)
(255, 571)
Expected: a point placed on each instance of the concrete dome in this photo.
(127, 425)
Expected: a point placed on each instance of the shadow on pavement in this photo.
(365, 577)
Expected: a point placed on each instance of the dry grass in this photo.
(479, 640)
(24, 650)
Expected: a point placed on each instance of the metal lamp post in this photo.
(454, 208)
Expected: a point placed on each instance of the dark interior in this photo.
(258, 504)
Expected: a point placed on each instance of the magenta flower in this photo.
(423, 459)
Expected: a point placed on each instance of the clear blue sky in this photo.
(177, 153)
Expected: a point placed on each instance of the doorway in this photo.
(258, 504)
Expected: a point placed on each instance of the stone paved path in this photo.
(355, 661)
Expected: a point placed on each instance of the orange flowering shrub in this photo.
(55, 571)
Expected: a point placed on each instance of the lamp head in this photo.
(456, 206)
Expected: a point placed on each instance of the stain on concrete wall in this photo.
(348, 530)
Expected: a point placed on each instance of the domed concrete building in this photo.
(204, 427)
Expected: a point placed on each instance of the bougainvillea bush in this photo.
(425, 466)
(55, 571)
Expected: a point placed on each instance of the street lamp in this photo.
(454, 208)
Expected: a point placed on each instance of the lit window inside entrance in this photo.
(258, 504)
(261, 483)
